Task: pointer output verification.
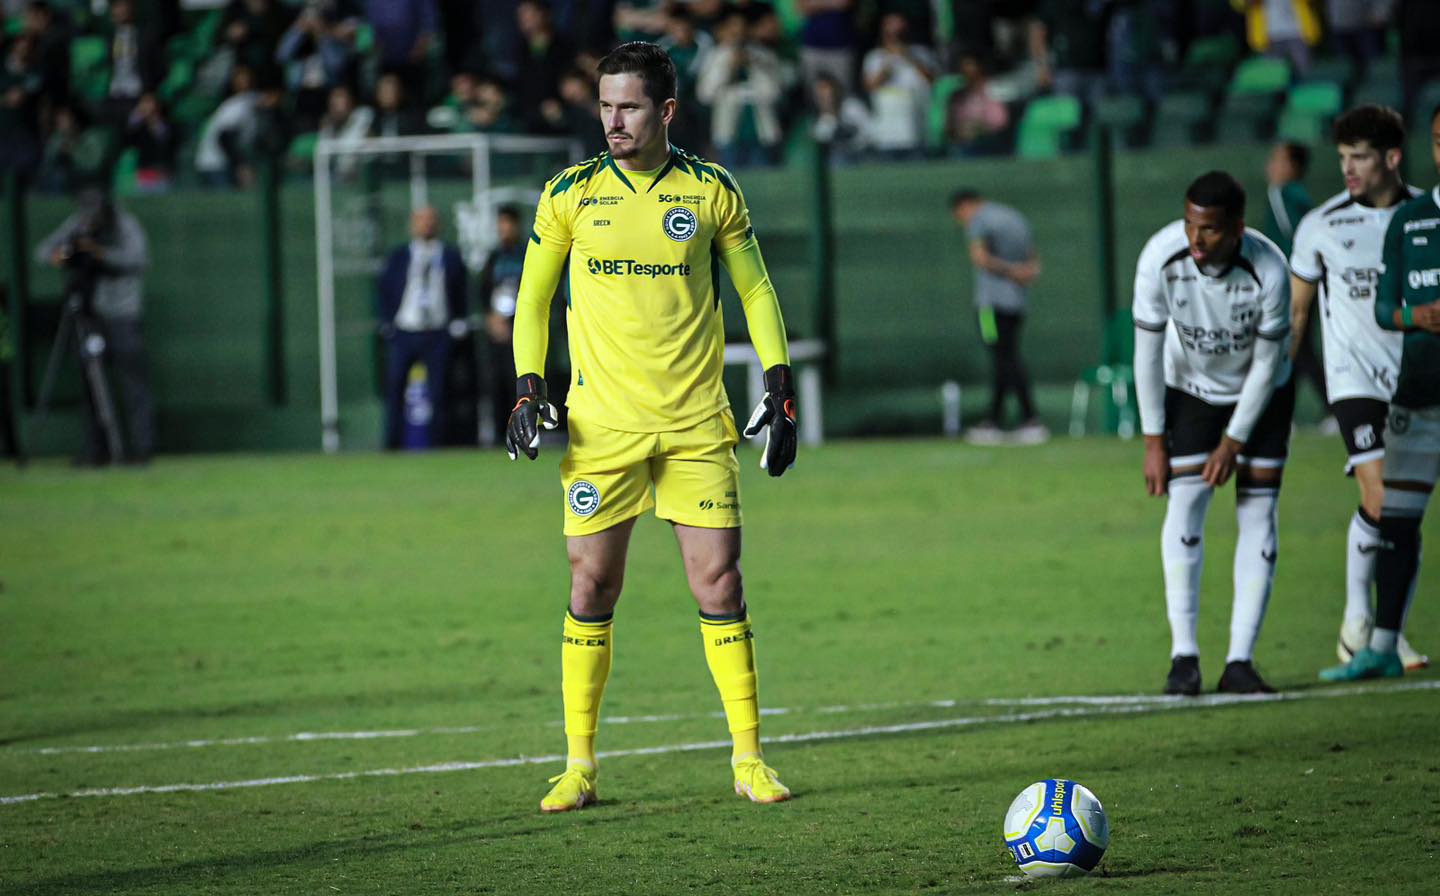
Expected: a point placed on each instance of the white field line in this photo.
(1062, 712)
(841, 709)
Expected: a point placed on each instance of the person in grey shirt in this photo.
(1006, 263)
(115, 244)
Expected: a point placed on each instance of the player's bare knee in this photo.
(1258, 477)
(720, 591)
(594, 591)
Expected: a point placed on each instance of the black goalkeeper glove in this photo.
(532, 410)
(777, 411)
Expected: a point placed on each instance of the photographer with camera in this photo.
(101, 248)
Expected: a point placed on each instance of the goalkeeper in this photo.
(643, 226)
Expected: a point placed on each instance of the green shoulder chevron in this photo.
(577, 173)
(700, 169)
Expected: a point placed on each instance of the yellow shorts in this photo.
(690, 476)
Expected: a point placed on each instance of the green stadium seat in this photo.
(89, 72)
(1309, 109)
(178, 79)
(1209, 57)
(1124, 115)
(1247, 116)
(1339, 69)
(1046, 125)
(1116, 375)
(1260, 75)
(1426, 99)
(1183, 118)
(124, 177)
(944, 87)
(1380, 86)
(302, 148)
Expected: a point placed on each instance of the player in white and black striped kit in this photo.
(1212, 374)
(1336, 254)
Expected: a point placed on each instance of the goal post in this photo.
(356, 195)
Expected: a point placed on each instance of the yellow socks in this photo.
(730, 653)
(584, 667)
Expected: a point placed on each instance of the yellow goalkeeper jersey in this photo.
(646, 333)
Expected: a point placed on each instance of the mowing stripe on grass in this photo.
(1068, 712)
(840, 709)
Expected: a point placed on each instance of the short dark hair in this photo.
(1380, 126)
(508, 210)
(652, 64)
(1299, 155)
(963, 195)
(1217, 189)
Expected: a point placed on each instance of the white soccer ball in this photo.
(1056, 828)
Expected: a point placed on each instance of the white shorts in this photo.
(1412, 455)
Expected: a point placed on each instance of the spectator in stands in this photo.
(251, 30)
(544, 57)
(100, 233)
(135, 63)
(21, 88)
(73, 153)
(393, 116)
(405, 31)
(1133, 41)
(975, 121)
(688, 46)
(318, 51)
(897, 76)
(1283, 28)
(499, 285)
(422, 306)
(155, 142)
(1002, 249)
(52, 49)
(842, 123)
(827, 43)
(1068, 46)
(489, 111)
(640, 19)
(1418, 23)
(573, 114)
(344, 122)
(1287, 201)
(1357, 29)
(229, 134)
(741, 83)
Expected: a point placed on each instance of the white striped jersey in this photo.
(1338, 245)
(1211, 322)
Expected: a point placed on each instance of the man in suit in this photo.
(421, 307)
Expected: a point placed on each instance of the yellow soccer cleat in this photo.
(574, 789)
(758, 782)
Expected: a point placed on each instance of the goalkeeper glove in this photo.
(532, 410)
(777, 411)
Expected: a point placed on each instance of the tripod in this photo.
(80, 331)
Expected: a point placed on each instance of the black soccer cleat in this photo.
(1184, 677)
(1240, 677)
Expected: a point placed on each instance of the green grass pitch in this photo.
(202, 621)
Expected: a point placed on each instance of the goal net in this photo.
(365, 190)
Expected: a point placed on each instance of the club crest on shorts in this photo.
(584, 498)
(680, 223)
(1364, 436)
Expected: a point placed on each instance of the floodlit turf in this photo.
(199, 622)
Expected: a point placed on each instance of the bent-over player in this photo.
(1212, 315)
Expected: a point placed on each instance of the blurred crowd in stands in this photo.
(199, 91)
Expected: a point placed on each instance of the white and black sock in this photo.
(1361, 547)
(1182, 551)
(1256, 547)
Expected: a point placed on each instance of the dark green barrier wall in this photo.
(903, 287)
